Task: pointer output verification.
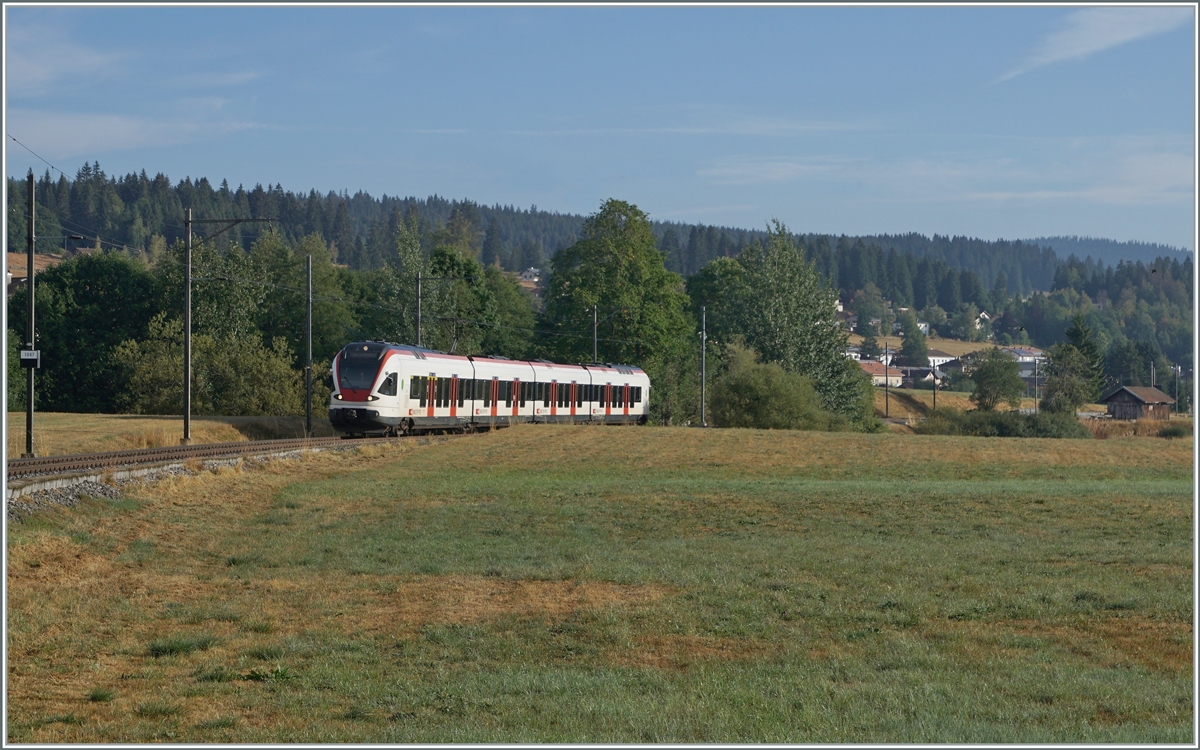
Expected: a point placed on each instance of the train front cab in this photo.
(366, 382)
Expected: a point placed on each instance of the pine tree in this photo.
(492, 249)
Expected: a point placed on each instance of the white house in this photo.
(937, 357)
(531, 274)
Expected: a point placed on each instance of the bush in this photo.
(1175, 431)
(950, 421)
(753, 394)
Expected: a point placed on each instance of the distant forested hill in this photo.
(144, 214)
(1109, 252)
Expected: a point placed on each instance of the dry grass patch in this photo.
(465, 600)
(1102, 429)
(678, 652)
(58, 433)
(1125, 641)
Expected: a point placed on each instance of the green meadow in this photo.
(587, 584)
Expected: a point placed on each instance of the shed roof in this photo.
(1144, 394)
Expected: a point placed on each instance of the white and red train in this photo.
(395, 389)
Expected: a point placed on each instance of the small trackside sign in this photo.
(31, 358)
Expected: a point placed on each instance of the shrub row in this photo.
(951, 421)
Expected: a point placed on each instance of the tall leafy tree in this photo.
(997, 379)
(720, 288)
(457, 305)
(791, 320)
(868, 305)
(641, 307)
(85, 307)
(512, 333)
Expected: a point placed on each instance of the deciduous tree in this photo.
(997, 378)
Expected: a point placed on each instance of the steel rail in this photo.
(22, 467)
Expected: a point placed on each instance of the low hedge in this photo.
(975, 423)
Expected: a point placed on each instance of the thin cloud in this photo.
(59, 135)
(759, 171)
(217, 80)
(1095, 29)
(744, 128)
(33, 62)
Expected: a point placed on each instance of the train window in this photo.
(487, 392)
(388, 386)
(506, 392)
(525, 393)
(462, 391)
(444, 391)
(413, 388)
(637, 394)
(424, 392)
(578, 395)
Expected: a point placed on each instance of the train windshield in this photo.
(359, 365)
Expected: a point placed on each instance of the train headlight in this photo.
(372, 398)
(338, 396)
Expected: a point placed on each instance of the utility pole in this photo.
(887, 404)
(1035, 385)
(418, 308)
(935, 388)
(308, 431)
(1177, 368)
(1153, 384)
(703, 362)
(32, 359)
(188, 221)
(187, 330)
(595, 356)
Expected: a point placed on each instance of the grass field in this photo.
(949, 346)
(546, 584)
(61, 434)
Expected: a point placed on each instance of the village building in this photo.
(881, 374)
(1134, 402)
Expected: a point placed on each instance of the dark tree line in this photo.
(145, 214)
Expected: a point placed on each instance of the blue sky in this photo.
(993, 122)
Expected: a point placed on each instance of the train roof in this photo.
(420, 352)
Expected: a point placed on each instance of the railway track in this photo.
(50, 465)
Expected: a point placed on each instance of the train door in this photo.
(607, 399)
(453, 395)
(574, 387)
(625, 398)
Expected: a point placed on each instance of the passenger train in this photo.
(380, 388)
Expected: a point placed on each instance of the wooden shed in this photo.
(1132, 402)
